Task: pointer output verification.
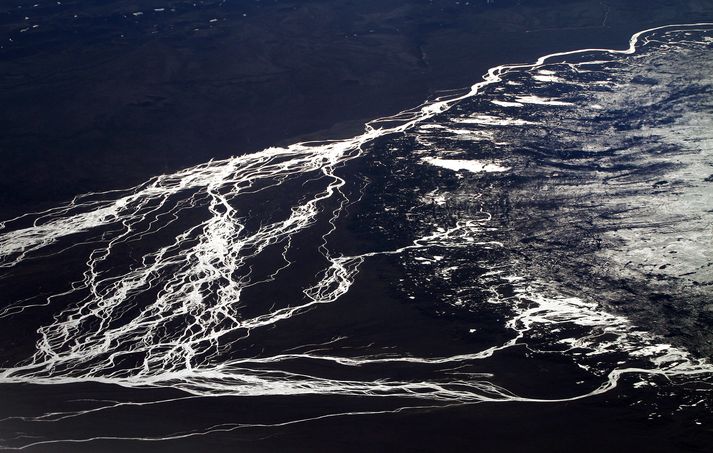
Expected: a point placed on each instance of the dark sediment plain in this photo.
(104, 94)
(539, 242)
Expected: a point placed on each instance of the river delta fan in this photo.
(203, 280)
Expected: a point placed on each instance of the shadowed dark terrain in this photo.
(367, 297)
(98, 96)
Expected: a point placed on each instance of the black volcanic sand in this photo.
(616, 421)
(92, 110)
(604, 423)
(107, 99)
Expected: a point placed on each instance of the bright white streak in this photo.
(473, 166)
